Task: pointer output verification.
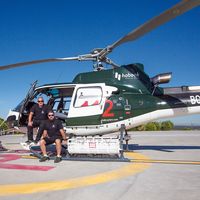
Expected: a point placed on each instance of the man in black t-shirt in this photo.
(37, 115)
(52, 133)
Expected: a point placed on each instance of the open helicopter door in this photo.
(16, 115)
(89, 100)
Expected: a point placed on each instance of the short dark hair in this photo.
(50, 111)
(40, 98)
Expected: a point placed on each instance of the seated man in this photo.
(52, 133)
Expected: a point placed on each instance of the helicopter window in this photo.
(54, 92)
(61, 105)
(55, 105)
(88, 96)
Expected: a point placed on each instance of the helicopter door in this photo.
(87, 100)
(18, 115)
(25, 103)
(29, 95)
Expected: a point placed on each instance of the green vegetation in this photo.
(3, 125)
(167, 125)
(150, 127)
(187, 129)
(155, 126)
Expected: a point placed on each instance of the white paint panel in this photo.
(192, 88)
(87, 93)
(133, 122)
(92, 92)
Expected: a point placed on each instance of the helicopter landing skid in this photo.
(35, 152)
(97, 148)
(95, 158)
(89, 148)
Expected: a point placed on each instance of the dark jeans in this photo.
(36, 123)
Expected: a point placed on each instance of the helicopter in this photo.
(100, 101)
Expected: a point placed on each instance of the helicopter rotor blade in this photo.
(178, 9)
(80, 58)
(100, 54)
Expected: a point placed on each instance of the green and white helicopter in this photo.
(99, 102)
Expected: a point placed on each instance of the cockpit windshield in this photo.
(58, 98)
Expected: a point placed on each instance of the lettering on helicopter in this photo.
(109, 116)
(195, 99)
(125, 76)
(107, 112)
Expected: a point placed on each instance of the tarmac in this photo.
(163, 166)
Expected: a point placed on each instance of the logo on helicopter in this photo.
(195, 99)
(125, 76)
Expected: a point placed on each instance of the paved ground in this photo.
(164, 165)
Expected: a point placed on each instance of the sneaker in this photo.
(37, 143)
(57, 159)
(44, 158)
(2, 148)
(29, 142)
(25, 145)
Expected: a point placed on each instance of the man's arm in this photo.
(30, 119)
(63, 134)
(44, 134)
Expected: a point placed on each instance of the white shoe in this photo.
(25, 145)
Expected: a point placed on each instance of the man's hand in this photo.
(64, 142)
(30, 123)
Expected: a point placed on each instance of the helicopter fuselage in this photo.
(97, 103)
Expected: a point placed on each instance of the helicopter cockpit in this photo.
(57, 97)
(67, 100)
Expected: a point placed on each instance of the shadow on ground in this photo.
(165, 148)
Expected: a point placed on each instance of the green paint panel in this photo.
(79, 121)
(126, 78)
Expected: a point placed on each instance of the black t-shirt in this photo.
(39, 113)
(52, 127)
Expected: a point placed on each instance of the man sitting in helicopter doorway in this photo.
(37, 115)
(52, 133)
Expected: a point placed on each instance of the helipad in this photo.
(166, 163)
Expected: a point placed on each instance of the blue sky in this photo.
(37, 29)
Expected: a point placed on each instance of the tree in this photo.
(150, 126)
(167, 125)
(158, 126)
(3, 125)
(154, 126)
(140, 128)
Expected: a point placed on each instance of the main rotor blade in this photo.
(83, 57)
(34, 62)
(166, 16)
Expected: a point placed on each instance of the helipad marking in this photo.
(28, 157)
(182, 162)
(4, 158)
(28, 188)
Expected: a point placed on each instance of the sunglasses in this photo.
(50, 115)
(40, 101)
